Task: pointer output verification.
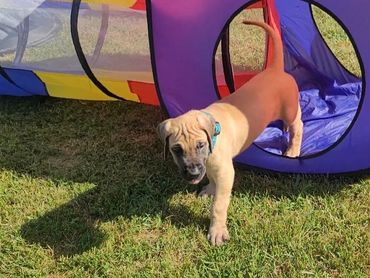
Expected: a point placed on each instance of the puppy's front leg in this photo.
(224, 179)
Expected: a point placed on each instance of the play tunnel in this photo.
(177, 54)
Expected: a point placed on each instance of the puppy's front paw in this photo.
(207, 191)
(218, 235)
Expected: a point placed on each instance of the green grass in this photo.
(84, 192)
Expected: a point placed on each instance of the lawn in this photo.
(84, 192)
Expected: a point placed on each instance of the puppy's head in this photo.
(188, 139)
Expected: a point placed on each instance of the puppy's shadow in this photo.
(73, 227)
(111, 146)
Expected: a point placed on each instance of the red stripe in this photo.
(257, 5)
(145, 91)
(223, 90)
(274, 21)
(139, 5)
(243, 77)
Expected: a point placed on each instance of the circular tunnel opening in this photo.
(321, 56)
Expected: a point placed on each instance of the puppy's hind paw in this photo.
(217, 236)
(292, 152)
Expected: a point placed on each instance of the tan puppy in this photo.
(270, 95)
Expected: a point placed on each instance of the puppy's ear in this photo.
(207, 124)
(164, 133)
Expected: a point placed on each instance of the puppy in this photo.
(206, 141)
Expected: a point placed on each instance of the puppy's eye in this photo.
(177, 149)
(201, 145)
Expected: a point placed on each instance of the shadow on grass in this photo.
(114, 147)
(276, 186)
(73, 227)
(110, 145)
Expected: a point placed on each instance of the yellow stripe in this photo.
(141, 76)
(80, 87)
(124, 3)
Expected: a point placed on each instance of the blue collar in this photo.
(216, 132)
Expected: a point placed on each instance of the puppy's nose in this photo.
(194, 169)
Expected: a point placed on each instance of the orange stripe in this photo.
(145, 91)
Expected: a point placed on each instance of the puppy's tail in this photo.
(278, 59)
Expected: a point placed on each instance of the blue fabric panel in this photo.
(326, 117)
(27, 84)
(307, 57)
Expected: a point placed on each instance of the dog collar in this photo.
(216, 132)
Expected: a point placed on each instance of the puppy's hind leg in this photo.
(295, 135)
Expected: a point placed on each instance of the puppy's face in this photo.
(188, 138)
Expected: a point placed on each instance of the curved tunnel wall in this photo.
(192, 45)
